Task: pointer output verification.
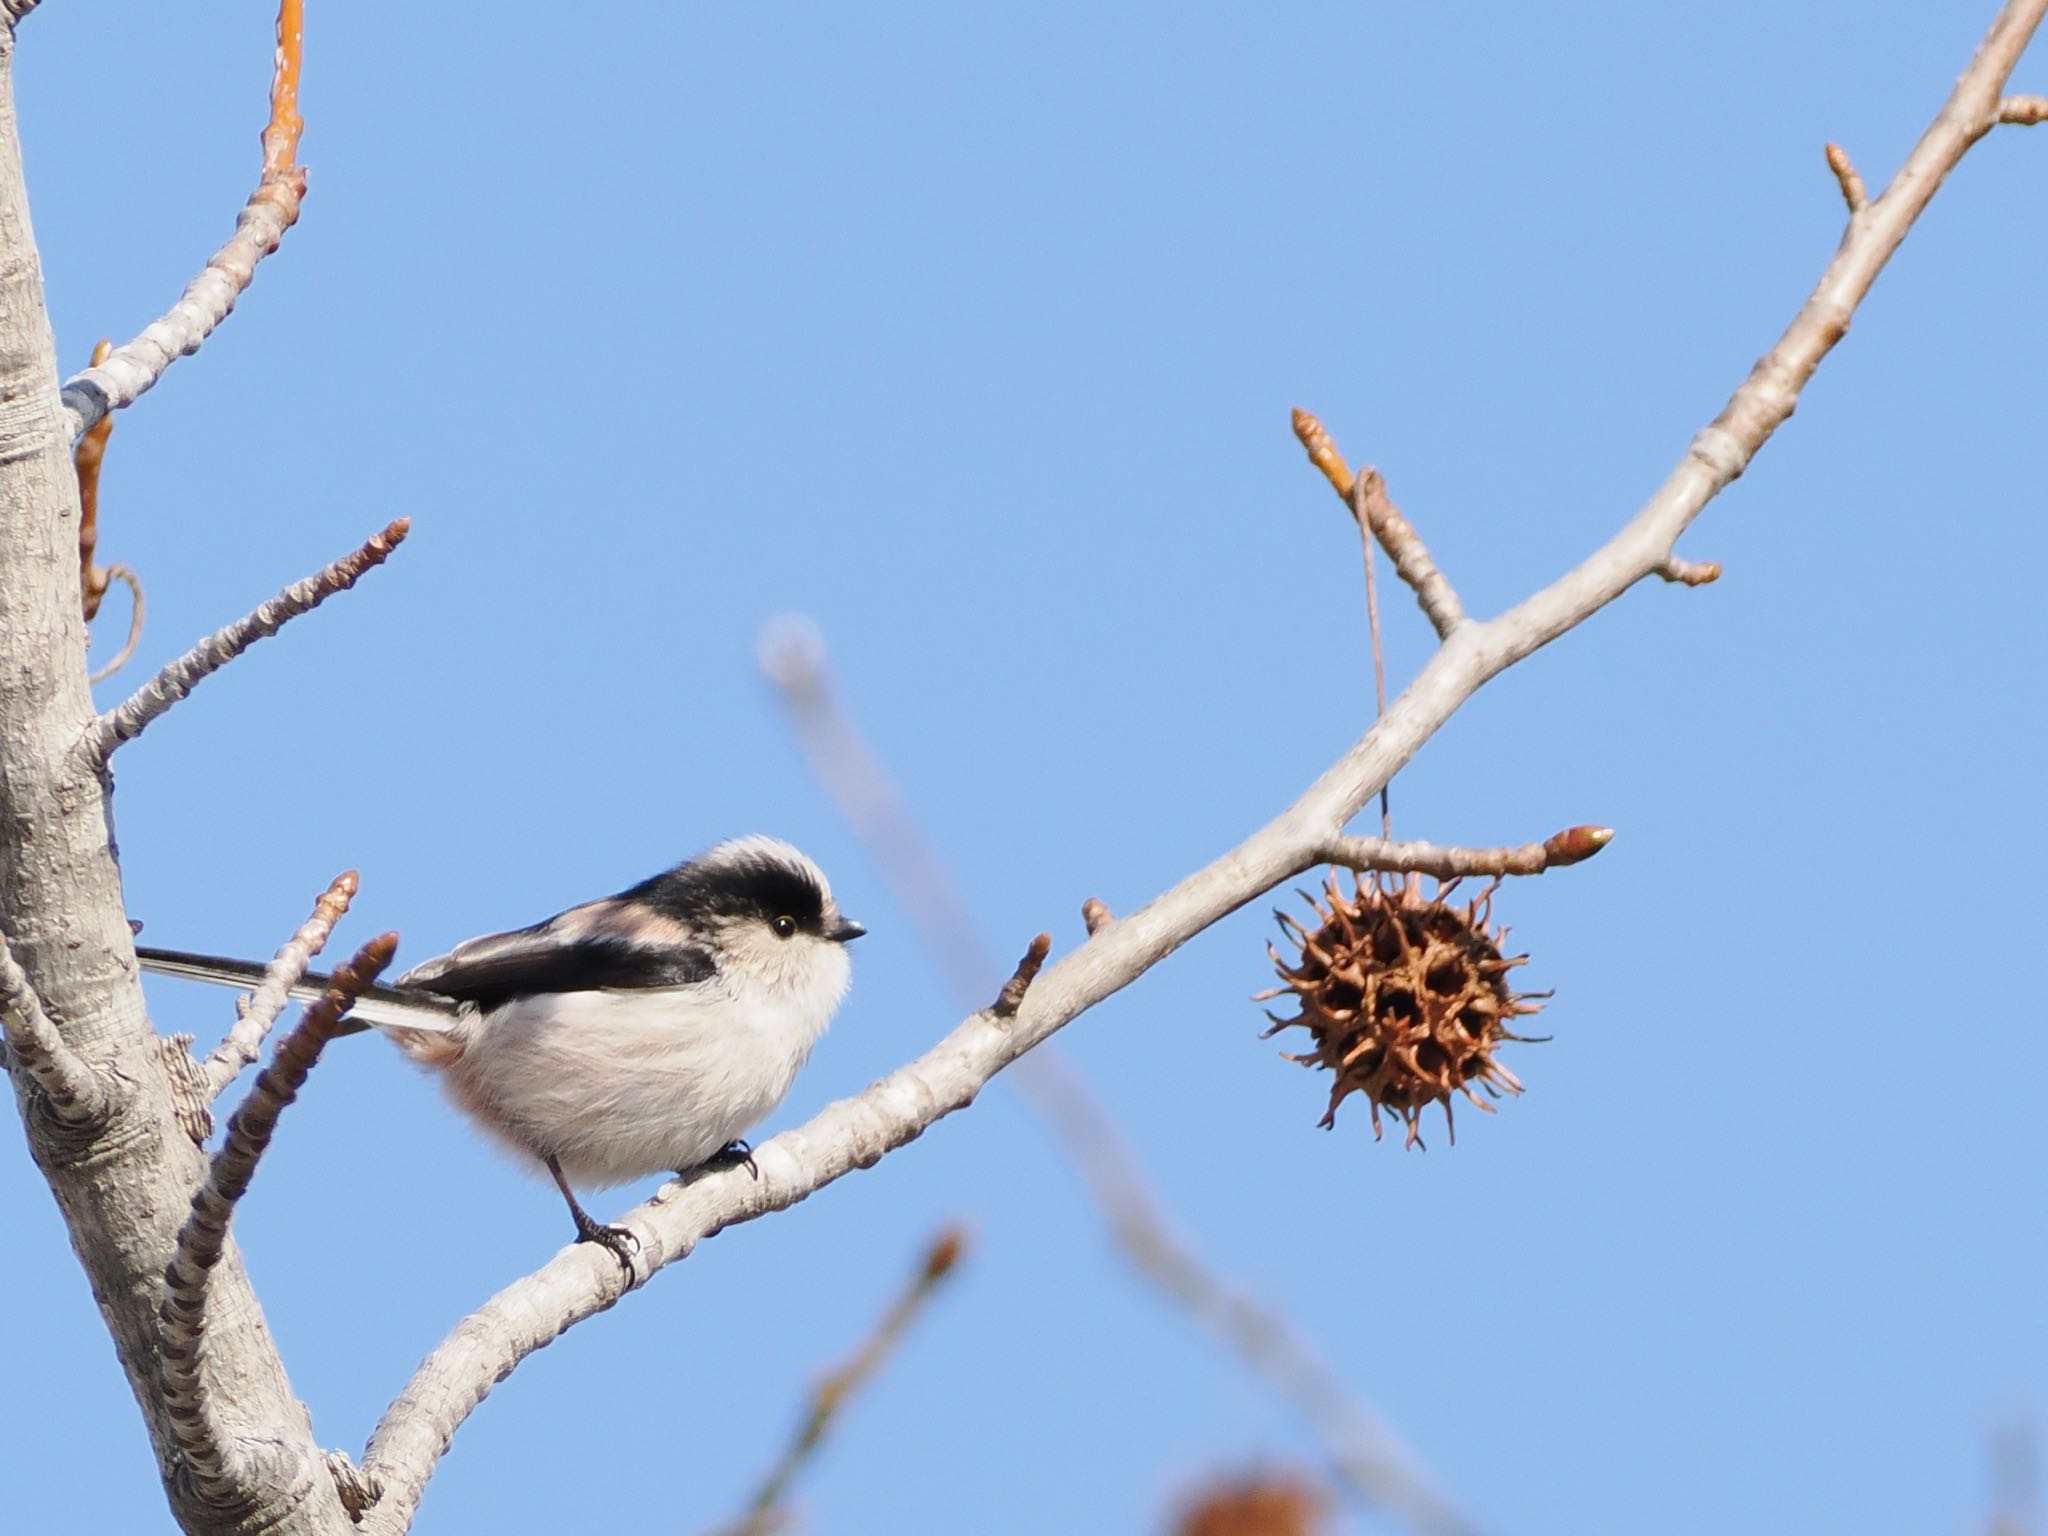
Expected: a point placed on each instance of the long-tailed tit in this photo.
(638, 1034)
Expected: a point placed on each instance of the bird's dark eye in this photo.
(785, 927)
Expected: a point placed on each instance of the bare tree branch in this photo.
(856, 1132)
(764, 1513)
(211, 1455)
(125, 722)
(2023, 111)
(272, 209)
(122, 1188)
(77, 1095)
(243, 1044)
(1574, 845)
(14, 10)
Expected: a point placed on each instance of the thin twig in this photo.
(901, 1107)
(121, 658)
(273, 208)
(1379, 657)
(856, 779)
(77, 1095)
(243, 1044)
(1574, 845)
(174, 682)
(1370, 504)
(209, 1452)
(1853, 191)
(764, 1512)
(1366, 496)
(86, 458)
(2023, 111)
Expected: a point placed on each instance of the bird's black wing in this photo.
(560, 955)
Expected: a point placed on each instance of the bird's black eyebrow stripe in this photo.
(765, 888)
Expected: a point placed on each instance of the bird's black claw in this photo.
(623, 1244)
(734, 1154)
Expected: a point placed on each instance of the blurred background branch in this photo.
(767, 1510)
(1365, 1457)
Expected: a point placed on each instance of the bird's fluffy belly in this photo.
(628, 1084)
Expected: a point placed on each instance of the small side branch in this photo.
(2023, 111)
(1375, 512)
(77, 1095)
(242, 1044)
(1011, 998)
(1853, 191)
(273, 208)
(126, 722)
(195, 1421)
(1574, 845)
(1374, 509)
(1691, 573)
(765, 1510)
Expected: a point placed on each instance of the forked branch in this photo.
(254, 1015)
(857, 1132)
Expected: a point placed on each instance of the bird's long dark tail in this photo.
(380, 1006)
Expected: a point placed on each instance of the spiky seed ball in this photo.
(1406, 998)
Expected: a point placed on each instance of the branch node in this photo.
(255, 1014)
(1691, 573)
(191, 1090)
(155, 697)
(209, 1452)
(1096, 914)
(1853, 191)
(78, 1096)
(357, 1489)
(1011, 998)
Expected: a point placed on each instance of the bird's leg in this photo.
(734, 1154)
(622, 1243)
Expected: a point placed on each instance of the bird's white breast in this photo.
(621, 1085)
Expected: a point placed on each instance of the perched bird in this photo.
(634, 1035)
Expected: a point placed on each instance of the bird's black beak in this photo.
(847, 931)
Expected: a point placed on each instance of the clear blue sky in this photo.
(973, 334)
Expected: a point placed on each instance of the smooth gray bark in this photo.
(124, 1184)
